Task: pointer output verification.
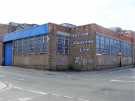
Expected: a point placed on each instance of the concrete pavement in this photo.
(18, 84)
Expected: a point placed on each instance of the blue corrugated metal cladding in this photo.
(34, 31)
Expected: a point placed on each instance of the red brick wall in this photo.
(83, 60)
(3, 29)
(53, 56)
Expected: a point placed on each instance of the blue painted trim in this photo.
(34, 31)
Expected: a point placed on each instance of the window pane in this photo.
(63, 44)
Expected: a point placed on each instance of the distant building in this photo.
(3, 29)
(13, 27)
(68, 25)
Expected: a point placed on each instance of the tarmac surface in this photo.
(19, 84)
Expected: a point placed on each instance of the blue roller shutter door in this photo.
(8, 54)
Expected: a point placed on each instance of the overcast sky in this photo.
(108, 13)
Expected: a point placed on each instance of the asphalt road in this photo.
(18, 84)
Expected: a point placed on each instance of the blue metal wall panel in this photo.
(8, 54)
(34, 31)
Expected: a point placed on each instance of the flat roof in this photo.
(33, 31)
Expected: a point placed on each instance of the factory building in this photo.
(61, 47)
(96, 47)
(7, 28)
(113, 49)
(37, 47)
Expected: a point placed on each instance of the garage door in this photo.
(8, 54)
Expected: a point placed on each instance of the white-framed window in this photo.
(62, 44)
(33, 45)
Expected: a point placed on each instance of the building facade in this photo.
(83, 48)
(44, 47)
(57, 47)
(113, 49)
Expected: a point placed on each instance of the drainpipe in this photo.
(120, 55)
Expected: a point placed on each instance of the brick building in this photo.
(3, 30)
(96, 47)
(36, 47)
(60, 47)
(14, 27)
(11, 27)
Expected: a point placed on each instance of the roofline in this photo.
(42, 29)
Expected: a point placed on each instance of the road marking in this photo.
(45, 93)
(68, 97)
(18, 88)
(25, 99)
(38, 92)
(122, 81)
(31, 91)
(21, 79)
(2, 85)
(5, 86)
(80, 99)
(55, 94)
